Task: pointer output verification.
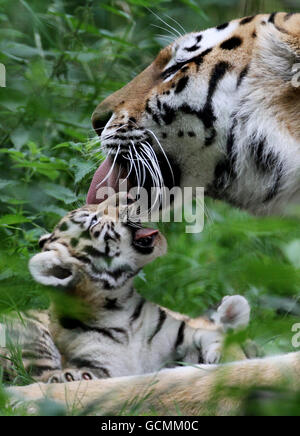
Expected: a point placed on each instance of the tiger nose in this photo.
(100, 119)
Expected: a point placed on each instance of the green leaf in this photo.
(54, 210)
(6, 275)
(11, 34)
(109, 35)
(19, 137)
(8, 220)
(60, 193)
(81, 169)
(19, 50)
(12, 99)
(119, 12)
(5, 183)
(292, 252)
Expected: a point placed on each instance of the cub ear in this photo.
(48, 269)
(233, 313)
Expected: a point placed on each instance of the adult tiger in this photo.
(221, 107)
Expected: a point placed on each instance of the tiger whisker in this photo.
(174, 36)
(157, 178)
(130, 170)
(146, 163)
(178, 24)
(135, 167)
(113, 134)
(140, 160)
(151, 153)
(148, 166)
(98, 128)
(158, 171)
(138, 163)
(163, 151)
(169, 39)
(164, 22)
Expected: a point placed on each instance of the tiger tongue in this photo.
(105, 177)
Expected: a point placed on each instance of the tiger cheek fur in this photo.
(221, 105)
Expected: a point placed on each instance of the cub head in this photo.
(101, 243)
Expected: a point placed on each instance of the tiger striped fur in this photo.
(221, 107)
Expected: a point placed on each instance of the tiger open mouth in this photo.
(153, 172)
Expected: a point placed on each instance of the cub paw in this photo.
(210, 344)
(212, 354)
(71, 376)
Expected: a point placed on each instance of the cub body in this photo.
(93, 255)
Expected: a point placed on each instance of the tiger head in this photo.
(97, 243)
(180, 121)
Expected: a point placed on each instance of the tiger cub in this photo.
(93, 255)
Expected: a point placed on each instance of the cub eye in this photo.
(94, 221)
(130, 201)
(145, 242)
(145, 238)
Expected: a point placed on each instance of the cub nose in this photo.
(99, 120)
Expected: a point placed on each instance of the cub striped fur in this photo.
(94, 255)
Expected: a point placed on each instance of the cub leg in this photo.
(31, 340)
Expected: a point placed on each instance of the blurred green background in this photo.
(62, 58)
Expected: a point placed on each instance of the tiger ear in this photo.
(49, 269)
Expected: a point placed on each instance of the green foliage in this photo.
(62, 58)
